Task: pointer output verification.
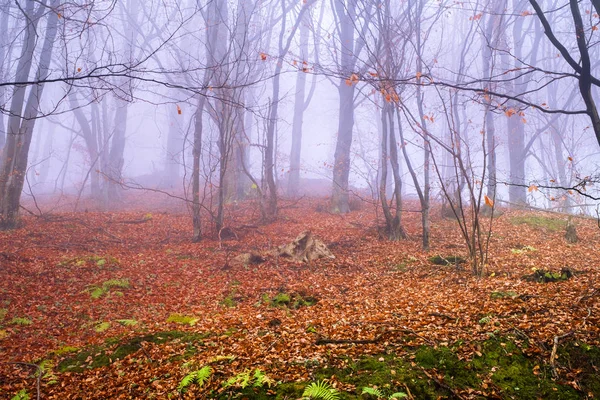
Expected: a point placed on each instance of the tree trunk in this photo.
(116, 156)
(4, 66)
(196, 153)
(341, 165)
(21, 123)
(299, 107)
(174, 148)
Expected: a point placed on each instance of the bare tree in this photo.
(349, 17)
(582, 68)
(25, 106)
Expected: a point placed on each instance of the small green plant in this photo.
(46, 369)
(3, 312)
(98, 291)
(281, 299)
(379, 394)
(127, 322)
(21, 395)
(183, 319)
(21, 321)
(321, 390)
(543, 276)
(287, 300)
(523, 250)
(102, 326)
(247, 378)
(198, 377)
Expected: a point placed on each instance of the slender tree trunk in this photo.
(273, 111)
(299, 107)
(116, 156)
(397, 228)
(341, 164)
(21, 122)
(196, 154)
(4, 66)
(174, 148)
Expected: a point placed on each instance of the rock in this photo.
(305, 248)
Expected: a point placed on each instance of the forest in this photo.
(285, 199)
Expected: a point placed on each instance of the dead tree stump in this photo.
(305, 248)
(571, 232)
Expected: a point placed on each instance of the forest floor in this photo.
(103, 305)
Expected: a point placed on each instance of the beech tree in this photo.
(25, 105)
(350, 17)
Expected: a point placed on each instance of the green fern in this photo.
(321, 390)
(240, 380)
(198, 377)
(372, 391)
(379, 394)
(21, 395)
(20, 321)
(261, 379)
(46, 369)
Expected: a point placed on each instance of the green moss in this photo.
(23, 321)
(516, 374)
(503, 295)
(103, 355)
(65, 350)
(102, 326)
(457, 373)
(281, 299)
(183, 319)
(543, 276)
(585, 359)
(289, 300)
(291, 390)
(539, 222)
(229, 302)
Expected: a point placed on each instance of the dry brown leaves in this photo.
(373, 290)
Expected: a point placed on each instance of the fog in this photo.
(214, 102)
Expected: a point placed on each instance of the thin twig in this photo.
(39, 374)
(554, 349)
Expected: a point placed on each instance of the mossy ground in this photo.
(540, 222)
(499, 369)
(289, 300)
(116, 349)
